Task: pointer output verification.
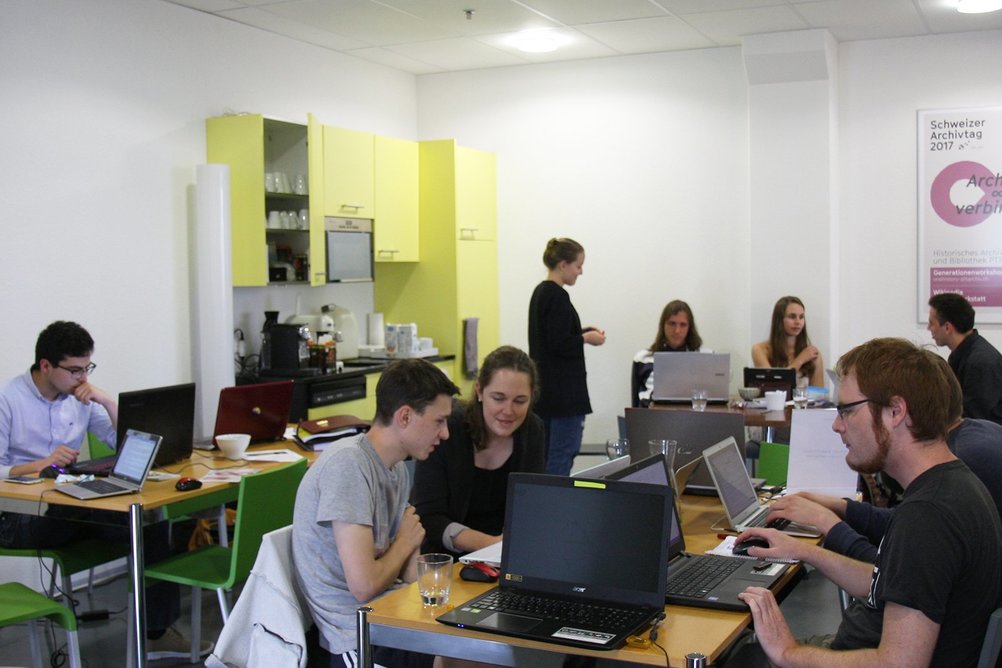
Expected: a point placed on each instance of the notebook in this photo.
(135, 459)
(613, 540)
(168, 411)
(817, 456)
(701, 580)
(261, 410)
(676, 375)
(694, 432)
(741, 504)
(490, 555)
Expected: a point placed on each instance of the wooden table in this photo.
(157, 501)
(399, 620)
(753, 417)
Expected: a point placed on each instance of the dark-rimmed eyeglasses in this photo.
(79, 372)
(844, 410)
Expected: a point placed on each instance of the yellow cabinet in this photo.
(348, 173)
(271, 170)
(455, 279)
(396, 193)
(476, 195)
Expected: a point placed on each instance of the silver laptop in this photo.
(676, 375)
(602, 469)
(135, 459)
(694, 432)
(734, 486)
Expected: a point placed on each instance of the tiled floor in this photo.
(811, 608)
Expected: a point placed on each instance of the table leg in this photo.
(138, 621)
(364, 649)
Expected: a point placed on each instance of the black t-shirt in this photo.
(941, 556)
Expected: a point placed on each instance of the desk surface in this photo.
(156, 493)
(754, 417)
(685, 629)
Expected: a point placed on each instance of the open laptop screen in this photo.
(735, 487)
(135, 456)
(654, 471)
(604, 540)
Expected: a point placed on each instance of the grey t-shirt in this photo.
(348, 483)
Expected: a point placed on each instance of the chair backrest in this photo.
(993, 641)
(773, 462)
(265, 503)
(638, 378)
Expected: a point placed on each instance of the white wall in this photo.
(644, 160)
(103, 124)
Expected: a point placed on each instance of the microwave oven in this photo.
(349, 249)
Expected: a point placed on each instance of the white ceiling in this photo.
(425, 36)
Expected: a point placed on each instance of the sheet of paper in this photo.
(227, 475)
(726, 549)
(817, 456)
(284, 455)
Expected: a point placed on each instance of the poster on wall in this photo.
(960, 208)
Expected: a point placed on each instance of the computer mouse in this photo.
(187, 484)
(473, 574)
(741, 548)
(51, 472)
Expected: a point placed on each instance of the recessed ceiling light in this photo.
(538, 41)
(978, 6)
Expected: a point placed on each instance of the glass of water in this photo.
(434, 573)
(800, 397)
(617, 447)
(699, 400)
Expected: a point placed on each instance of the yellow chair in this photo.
(21, 604)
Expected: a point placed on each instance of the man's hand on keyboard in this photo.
(802, 510)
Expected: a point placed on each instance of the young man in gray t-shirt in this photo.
(354, 535)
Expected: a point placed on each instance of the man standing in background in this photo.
(977, 364)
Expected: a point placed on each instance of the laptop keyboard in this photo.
(99, 486)
(702, 576)
(775, 523)
(610, 618)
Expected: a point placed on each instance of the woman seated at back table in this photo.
(789, 346)
(459, 491)
(676, 333)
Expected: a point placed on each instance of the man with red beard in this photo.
(927, 599)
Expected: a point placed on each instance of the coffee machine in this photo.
(287, 349)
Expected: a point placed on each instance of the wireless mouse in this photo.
(472, 573)
(51, 472)
(187, 484)
(741, 549)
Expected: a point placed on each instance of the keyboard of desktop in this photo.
(701, 576)
(572, 612)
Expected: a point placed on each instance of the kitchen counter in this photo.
(322, 393)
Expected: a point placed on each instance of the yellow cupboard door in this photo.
(348, 173)
(477, 285)
(396, 194)
(238, 141)
(476, 195)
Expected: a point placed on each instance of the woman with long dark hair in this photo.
(677, 332)
(789, 346)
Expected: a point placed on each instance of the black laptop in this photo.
(168, 411)
(583, 562)
(701, 580)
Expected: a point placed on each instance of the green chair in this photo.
(21, 604)
(265, 502)
(773, 461)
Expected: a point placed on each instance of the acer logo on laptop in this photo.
(579, 590)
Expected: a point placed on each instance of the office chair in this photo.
(264, 503)
(21, 604)
(993, 641)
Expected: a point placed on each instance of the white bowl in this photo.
(233, 446)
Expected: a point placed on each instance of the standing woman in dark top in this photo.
(459, 491)
(556, 343)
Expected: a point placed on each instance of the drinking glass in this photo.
(434, 573)
(617, 447)
(800, 397)
(699, 400)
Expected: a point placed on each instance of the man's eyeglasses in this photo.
(79, 372)
(844, 410)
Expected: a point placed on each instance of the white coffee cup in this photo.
(775, 400)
